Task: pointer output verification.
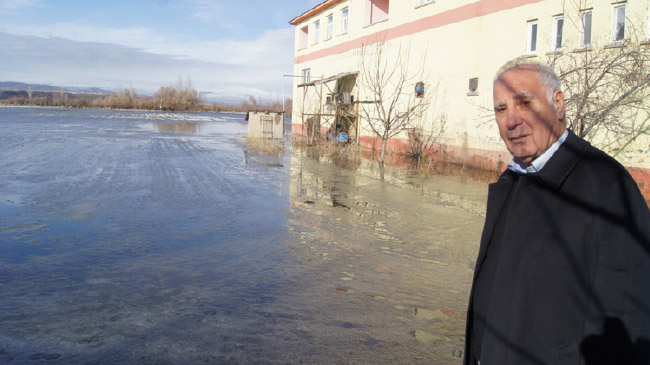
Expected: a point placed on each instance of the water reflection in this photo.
(268, 152)
(185, 127)
(201, 128)
(394, 265)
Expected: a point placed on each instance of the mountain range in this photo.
(21, 86)
(233, 97)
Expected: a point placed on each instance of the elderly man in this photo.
(563, 270)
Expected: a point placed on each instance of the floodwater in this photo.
(164, 238)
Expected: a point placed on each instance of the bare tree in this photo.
(188, 97)
(30, 93)
(607, 93)
(391, 104)
(607, 88)
(63, 97)
(425, 132)
(182, 96)
(288, 102)
(164, 98)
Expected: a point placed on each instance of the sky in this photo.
(228, 49)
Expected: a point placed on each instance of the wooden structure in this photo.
(328, 103)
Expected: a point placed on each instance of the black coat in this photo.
(572, 284)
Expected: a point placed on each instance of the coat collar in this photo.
(563, 161)
(560, 165)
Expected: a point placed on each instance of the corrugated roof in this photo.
(328, 79)
(262, 111)
(313, 11)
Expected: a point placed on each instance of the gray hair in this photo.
(547, 77)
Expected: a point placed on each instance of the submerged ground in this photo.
(133, 237)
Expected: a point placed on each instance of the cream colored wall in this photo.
(476, 47)
(255, 128)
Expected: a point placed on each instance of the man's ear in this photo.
(558, 104)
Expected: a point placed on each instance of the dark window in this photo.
(473, 85)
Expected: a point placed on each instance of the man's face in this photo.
(528, 123)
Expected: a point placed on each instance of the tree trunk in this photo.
(384, 140)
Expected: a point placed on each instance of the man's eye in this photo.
(499, 110)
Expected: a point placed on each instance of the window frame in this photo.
(306, 75)
(303, 37)
(316, 31)
(532, 35)
(329, 32)
(615, 20)
(345, 12)
(583, 14)
(556, 20)
(376, 14)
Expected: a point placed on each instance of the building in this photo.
(449, 51)
(265, 124)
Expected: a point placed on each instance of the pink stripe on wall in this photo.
(460, 14)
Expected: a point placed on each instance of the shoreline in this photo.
(117, 109)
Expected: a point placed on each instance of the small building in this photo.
(265, 124)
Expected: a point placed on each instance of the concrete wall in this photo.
(274, 127)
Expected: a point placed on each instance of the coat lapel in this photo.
(563, 161)
(497, 193)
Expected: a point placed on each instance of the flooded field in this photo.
(164, 238)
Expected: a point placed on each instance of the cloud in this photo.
(147, 57)
(11, 6)
(77, 31)
(273, 49)
(66, 62)
(274, 46)
(225, 15)
(205, 10)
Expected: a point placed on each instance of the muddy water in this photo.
(131, 237)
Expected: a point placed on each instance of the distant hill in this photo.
(20, 86)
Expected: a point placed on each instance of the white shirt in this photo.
(519, 167)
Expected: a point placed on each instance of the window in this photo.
(267, 126)
(473, 86)
(376, 11)
(330, 26)
(303, 36)
(618, 22)
(585, 29)
(316, 31)
(344, 21)
(424, 2)
(306, 75)
(558, 28)
(419, 89)
(531, 46)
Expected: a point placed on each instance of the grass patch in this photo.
(265, 146)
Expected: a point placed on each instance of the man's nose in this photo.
(513, 119)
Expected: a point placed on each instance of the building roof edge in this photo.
(316, 9)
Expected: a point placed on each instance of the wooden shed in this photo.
(265, 124)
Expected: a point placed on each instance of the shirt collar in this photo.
(519, 167)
